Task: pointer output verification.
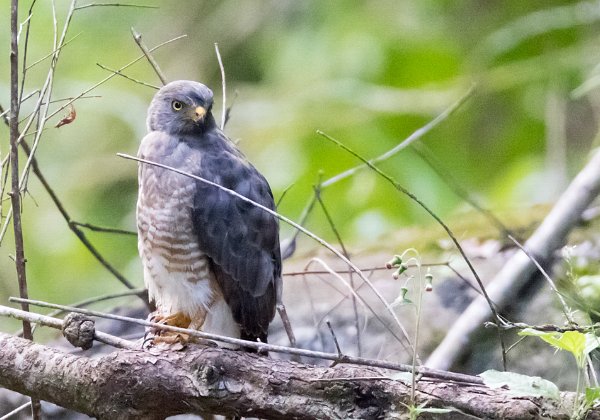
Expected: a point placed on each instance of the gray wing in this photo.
(241, 239)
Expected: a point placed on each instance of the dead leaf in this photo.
(69, 118)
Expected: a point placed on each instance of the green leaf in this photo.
(575, 342)
(592, 396)
(520, 385)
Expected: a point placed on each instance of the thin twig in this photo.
(60, 47)
(335, 341)
(4, 113)
(118, 73)
(55, 199)
(46, 92)
(291, 243)
(432, 373)
(48, 321)
(416, 135)
(72, 225)
(138, 40)
(78, 232)
(435, 217)
(110, 76)
(230, 107)
(508, 326)
(378, 268)
(16, 411)
(405, 143)
(565, 308)
(347, 255)
(447, 177)
(25, 50)
(96, 299)
(354, 293)
(139, 6)
(104, 229)
(287, 325)
(284, 219)
(224, 86)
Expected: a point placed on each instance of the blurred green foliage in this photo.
(368, 73)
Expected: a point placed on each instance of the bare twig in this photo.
(347, 255)
(224, 85)
(407, 142)
(447, 177)
(16, 411)
(565, 308)
(508, 326)
(78, 232)
(335, 341)
(41, 107)
(118, 73)
(436, 218)
(416, 135)
(104, 229)
(230, 107)
(138, 40)
(96, 299)
(354, 292)
(72, 225)
(378, 268)
(48, 321)
(139, 6)
(459, 377)
(286, 220)
(110, 76)
(25, 48)
(56, 49)
(290, 247)
(287, 325)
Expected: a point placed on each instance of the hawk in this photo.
(211, 260)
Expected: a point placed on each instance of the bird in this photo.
(211, 261)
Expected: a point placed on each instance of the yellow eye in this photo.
(177, 105)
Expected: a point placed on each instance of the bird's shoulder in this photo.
(156, 144)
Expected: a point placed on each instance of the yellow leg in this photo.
(178, 319)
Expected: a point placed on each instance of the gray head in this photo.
(181, 107)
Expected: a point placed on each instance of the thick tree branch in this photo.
(200, 380)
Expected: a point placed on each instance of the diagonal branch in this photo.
(517, 271)
(72, 225)
(429, 211)
(138, 40)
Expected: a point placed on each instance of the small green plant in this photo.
(425, 283)
(579, 345)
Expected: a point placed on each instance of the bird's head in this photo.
(181, 107)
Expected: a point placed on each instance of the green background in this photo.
(368, 73)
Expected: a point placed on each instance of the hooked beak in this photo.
(198, 114)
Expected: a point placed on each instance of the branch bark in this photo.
(200, 380)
